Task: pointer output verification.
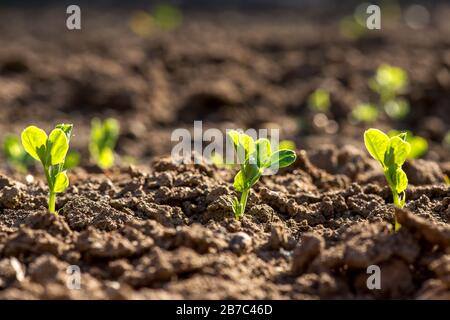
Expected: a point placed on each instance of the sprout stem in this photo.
(51, 202)
(243, 202)
(398, 204)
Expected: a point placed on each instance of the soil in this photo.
(158, 230)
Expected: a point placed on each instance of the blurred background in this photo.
(311, 68)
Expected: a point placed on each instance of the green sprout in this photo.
(104, 136)
(254, 157)
(419, 145)
(389, 82)
(319, 101)
(51, 151)
(167, 17)
(365, 112)
(15, 154)
(391, 153)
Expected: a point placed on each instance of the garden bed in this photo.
(160, 230)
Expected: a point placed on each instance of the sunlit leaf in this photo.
(34, 141)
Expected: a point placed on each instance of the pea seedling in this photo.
(51, 151)
(391, 153)
(319, 101)
(254, 158)
(15, 154)
(104, 137)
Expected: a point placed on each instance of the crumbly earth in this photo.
(168, 233)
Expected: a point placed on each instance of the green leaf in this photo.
(400, 150)
(239, 182)
(401, 181)
(234, 136)
(376, 143)
(263, 152)
(419, 145)
(247, 143)
(287, 144)
(61, 182)
(282, 158)
(34, 141)
(66, 128)
(106, 159)
(58, 145)
(243, 144)
(251, 174)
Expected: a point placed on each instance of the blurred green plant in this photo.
(389, 82)
(319, 100)
(419, 145)
(350, 28)
(163, 16)
(391, 153)
(397, 109)
(15, 154)
(365, 112)
(104, 136)
(167, 17)
(447, 139)
(51, 151)
(73, 160)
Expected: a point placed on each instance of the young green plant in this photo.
(104, 136)
(391, 153)
(319, 100)
(254, 157)
(15, 154)
(365, 112)
(389, 82)
(51, 151)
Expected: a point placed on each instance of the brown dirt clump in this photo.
(172, 235)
